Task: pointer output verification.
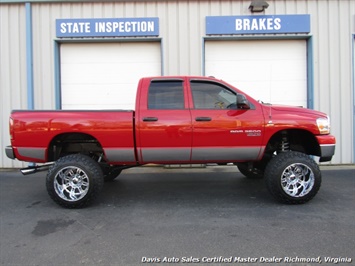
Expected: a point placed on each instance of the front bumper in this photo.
(10, 152)
(327, 147)
(327, 152)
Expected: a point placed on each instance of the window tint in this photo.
(207, 95)
(166, 95)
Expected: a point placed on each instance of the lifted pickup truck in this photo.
(182, 119)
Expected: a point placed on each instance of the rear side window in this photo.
(166, 95)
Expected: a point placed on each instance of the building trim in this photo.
(57, 77)
(310, 74)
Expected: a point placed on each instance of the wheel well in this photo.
(69, 143)
(295, 140)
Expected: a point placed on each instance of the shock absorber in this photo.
(100, 158)
(284, 145)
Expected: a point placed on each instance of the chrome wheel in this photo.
(297, 180)
(74, 181)
(293, 177)
(71, 183)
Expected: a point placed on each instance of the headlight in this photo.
(323, 125)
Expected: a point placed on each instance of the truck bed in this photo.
(113, 129)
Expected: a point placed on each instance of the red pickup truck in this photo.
(182, 119)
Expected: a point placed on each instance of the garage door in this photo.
(105, 75)
(273, 71)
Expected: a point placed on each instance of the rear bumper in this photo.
(327, 147)
(10, 152)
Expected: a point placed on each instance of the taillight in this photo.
(11, 128)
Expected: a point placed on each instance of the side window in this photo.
(166, 95)
(207, 95)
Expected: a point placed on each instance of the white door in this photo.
(273, 71)
(106, 75)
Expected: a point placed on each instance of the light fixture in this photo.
(258, 6)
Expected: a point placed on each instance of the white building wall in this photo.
(13, 89)
(182, 29)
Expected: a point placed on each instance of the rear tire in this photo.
(74, 181)
(292, 177)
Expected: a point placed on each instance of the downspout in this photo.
(310, 74)
(29, 60)
(353, 85)
(29, 57)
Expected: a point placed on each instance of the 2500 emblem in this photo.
(248, 132)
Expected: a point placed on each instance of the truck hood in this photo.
(294, 109)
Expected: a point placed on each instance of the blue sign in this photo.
(107, 27)
(258, 24)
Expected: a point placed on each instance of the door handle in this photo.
(203, 119)
(150, 119)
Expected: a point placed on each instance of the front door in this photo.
(222, 133)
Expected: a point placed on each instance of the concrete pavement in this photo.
(157, 216)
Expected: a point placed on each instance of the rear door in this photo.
(222, 133)
(164, 132)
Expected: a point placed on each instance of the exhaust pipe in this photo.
(34, 169)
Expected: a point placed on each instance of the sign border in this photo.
(262, 24)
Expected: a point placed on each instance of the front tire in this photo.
(74, 181)
(292, 177)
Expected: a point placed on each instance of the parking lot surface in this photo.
(158, 216)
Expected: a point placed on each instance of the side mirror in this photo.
(242, 102)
